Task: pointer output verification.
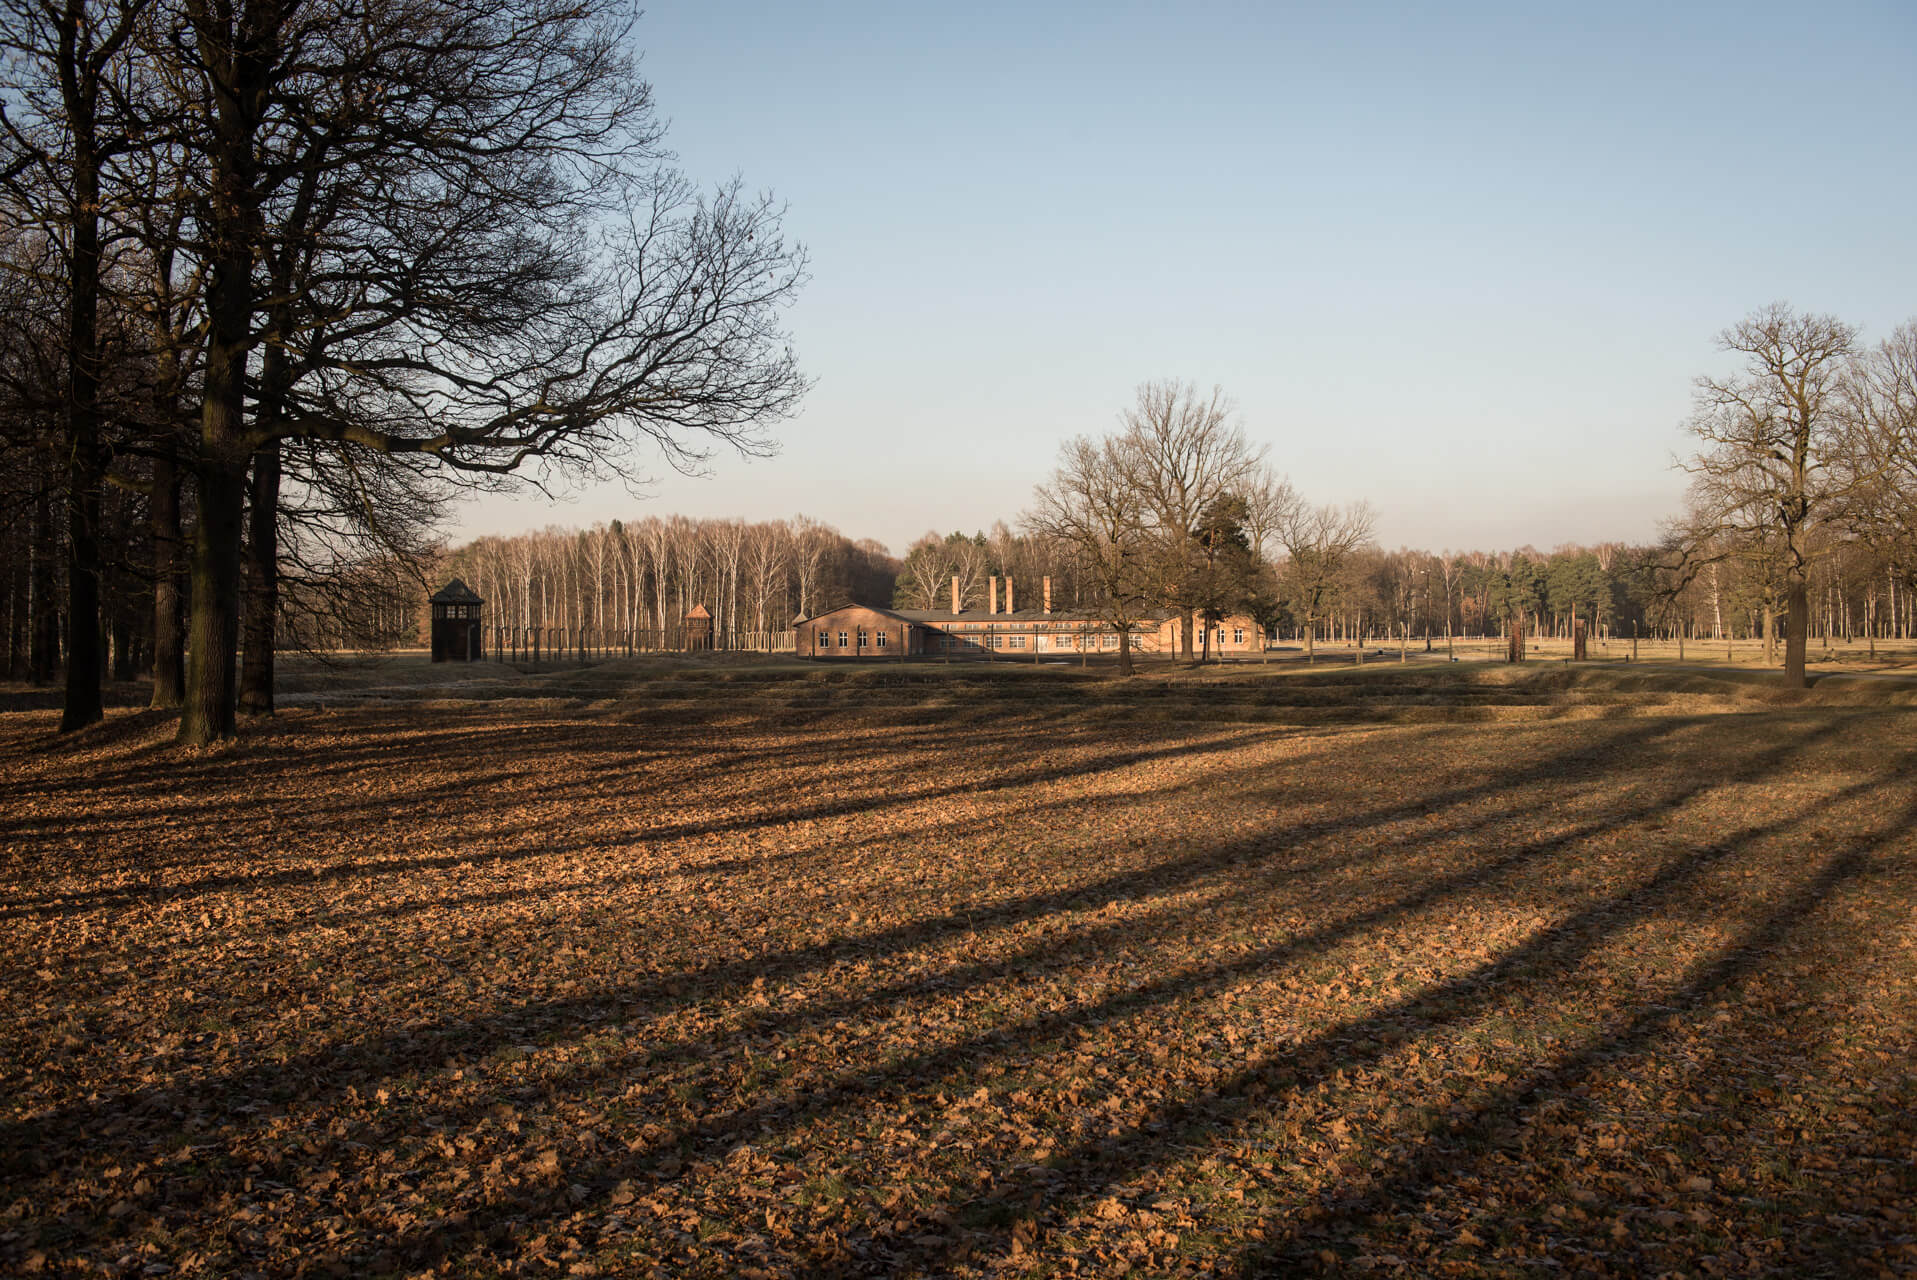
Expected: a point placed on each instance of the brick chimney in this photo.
(1048, 595)
(1008, 594)
(993, 610)
(955, 595)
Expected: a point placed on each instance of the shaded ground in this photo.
(699, 972)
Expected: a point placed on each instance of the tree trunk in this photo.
(123, 631)
(17, 609)
(163, 518)
(83, 704)
(208, 712)
(86, 460)
(262, 582)
(1185, 634)
(43, 648)
(238, 69)
(212, 656)
(1796, 632)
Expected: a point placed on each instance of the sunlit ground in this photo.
(740, 971)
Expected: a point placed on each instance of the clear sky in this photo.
(1461, 260)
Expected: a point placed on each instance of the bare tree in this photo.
(766, 564)
(1186, 451)
(811, 542)
(1319, 544)
(926, 571)
(728, 541)
(1880, 447)
(62, 130)
(530, 288)
(1771, 436)
(971, 565)
(1094, 503)
(1450, 568)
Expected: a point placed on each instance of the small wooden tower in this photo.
(456, 634)
(698, 628)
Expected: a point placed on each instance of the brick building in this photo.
(865, 631)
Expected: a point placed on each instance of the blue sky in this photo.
(1459, 260)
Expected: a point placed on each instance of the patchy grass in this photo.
(671, 969)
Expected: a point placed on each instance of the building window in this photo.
(1138, 642)
(1237, 635)
(1111, 642)
(1015, 642)
(998, 641)
(863, 638)
(841, 639)
(882, 639)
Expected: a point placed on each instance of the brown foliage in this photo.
(584, 991)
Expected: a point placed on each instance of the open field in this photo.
(737, 968)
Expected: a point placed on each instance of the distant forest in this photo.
(756, 578)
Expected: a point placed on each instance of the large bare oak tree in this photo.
(1769, 469)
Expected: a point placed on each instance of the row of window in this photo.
(460, 611)
(864, 640)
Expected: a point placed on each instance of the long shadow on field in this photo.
(1485, 1134)
(863, 1089)
(427, 1042)
(474, 803)
(121, 1127)
(1079, 1174)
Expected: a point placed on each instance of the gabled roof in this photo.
(456, 592)
(699, 611)
(868, 608)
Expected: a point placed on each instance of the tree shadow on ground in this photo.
(1339, 937)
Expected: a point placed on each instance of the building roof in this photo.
(699, 611)
(456, 592)
(869, 608)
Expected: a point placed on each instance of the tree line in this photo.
(282, 276)
(1802, 521)
(1178, 512)
(1804, 487)
(631, 579)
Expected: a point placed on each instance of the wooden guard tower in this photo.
(456, 634)
(698, 628)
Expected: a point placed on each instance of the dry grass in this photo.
(673, 970)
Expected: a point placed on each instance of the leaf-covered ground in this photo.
(987, 988)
